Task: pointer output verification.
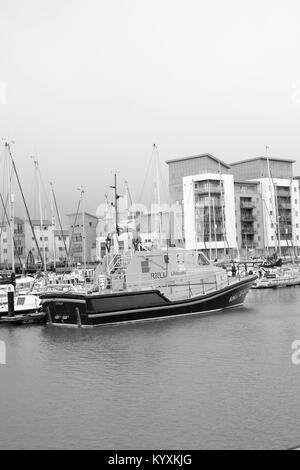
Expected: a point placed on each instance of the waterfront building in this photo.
(19, 244)
(249, 218)
(248, 208)
(204, 186)
(26, 254)
(61, 244)
(279, 193)
(76, 232)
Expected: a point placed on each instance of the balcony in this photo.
(249, 232)
(283, 193)
(207, 190)
(247, 218)
(250, 245)
(284, 205)
(247, 205)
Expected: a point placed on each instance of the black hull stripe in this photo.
(164, 317)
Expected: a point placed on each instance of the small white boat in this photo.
(24, 304)
(277, 278)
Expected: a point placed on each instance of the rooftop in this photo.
(284, 160)
(199, 156)
(37, 223)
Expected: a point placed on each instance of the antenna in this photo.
(82, 194)
(115, 187)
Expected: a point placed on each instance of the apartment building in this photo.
(279, 193)
(77, 244)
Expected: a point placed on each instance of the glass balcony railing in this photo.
(247, 205)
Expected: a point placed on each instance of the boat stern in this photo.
(64, 310)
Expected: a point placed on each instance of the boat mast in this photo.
(215, 228)
(209, 218)
(59, 220)
(277, 220)
(158, 200)
(222, 210)
(36, 165)
(82, 194)
(11, 224)
(274, 203)
(53, 225)
(117, 228)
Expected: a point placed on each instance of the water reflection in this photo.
(222, 381)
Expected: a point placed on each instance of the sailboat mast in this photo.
(59, 220)
(274, 202)
(53, 225)
(11, 224)
(117, 229)
(277, 220)
(82, 193)
(215, 228)
(209, 218)
(157, 193)
(36, 164)
(222, 210)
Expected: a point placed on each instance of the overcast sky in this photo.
(91, 85)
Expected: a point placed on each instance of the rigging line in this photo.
(47, 206)
(7, 197)
(60, 224)
(72, 235)
(146, 176)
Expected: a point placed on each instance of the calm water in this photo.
(224, 381)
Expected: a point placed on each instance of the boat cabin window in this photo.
(145, 266)
(21, 301)
(202, 260)
(180, 258)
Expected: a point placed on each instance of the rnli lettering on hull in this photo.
(160, 275)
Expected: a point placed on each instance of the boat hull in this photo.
(89, 311)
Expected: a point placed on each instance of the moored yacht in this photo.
(150, 285)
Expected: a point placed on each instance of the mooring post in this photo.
(49, 315)
(11, 300)
(79, 324)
